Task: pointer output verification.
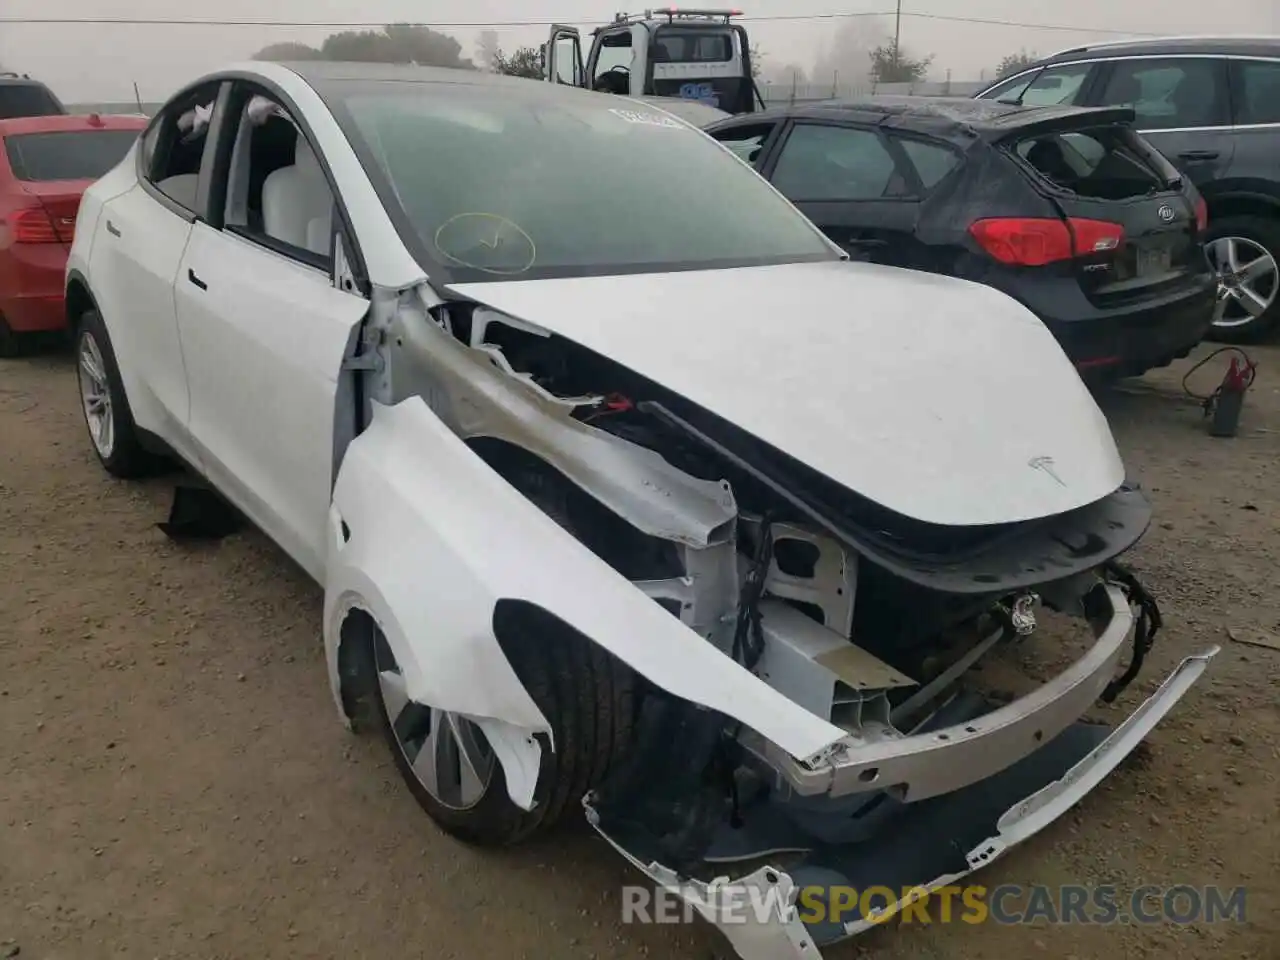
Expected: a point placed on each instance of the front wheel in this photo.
(449, 766)
(1245, 253)
(106, 408)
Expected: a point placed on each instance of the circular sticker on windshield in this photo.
(487, 242)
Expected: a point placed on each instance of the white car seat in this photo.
(297, 205)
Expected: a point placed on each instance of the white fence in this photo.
(781, 92)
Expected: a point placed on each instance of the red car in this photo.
(45, 165)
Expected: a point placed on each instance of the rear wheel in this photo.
(106, 408)
(1245, 253)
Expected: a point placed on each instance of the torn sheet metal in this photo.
(909, 848)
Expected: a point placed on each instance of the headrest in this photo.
(304, 158)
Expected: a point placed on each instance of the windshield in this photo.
(27, 100)
(67, 154)
(495, 182)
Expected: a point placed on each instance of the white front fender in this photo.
(427, 538)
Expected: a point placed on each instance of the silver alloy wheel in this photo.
(1248, 278)
(448, 754)
(95, 395)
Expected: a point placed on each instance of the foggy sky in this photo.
(101, 63)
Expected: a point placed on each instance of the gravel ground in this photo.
(176, 783)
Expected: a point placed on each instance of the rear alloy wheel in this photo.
(106, 409)
(1243, 251)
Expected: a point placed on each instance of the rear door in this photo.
(1182, 106)
(854, 183)
(1134, 224)
(139, 241)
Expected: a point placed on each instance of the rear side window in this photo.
(932, 162)
(1107, 163)
(1170, 93)
(821, 163)
(67, 154)
(746, 141)
(690, 46)
(1047, 88)
(28, 100)
(1259, 100)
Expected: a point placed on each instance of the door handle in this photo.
(191, 275)
(112, 229)
(1199, 155)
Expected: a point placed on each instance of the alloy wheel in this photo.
(1248, 278)
(95, 396)
(448, 754)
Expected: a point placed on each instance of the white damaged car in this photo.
(628, 493)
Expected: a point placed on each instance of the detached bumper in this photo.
(972, 804)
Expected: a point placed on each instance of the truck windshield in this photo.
(512, 181)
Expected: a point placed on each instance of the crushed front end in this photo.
(963, 673)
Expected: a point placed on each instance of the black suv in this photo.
(20, 96)
(1212, 106)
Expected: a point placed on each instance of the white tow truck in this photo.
(666, 54)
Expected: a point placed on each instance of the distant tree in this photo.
(1013, 63)
(890, 64)
(757, 58)
(288, 51)
(395, 43)
(525, 62)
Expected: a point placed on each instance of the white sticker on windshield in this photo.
(648, 119)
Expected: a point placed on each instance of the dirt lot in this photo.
(176, 783)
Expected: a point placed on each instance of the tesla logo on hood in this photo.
(1166, 213)
(1045, 465)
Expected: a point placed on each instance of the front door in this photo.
(265, 329)
(562, 57)
(265, 337)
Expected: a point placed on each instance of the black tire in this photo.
(588, 698)
(1265, 233)
(126, 457)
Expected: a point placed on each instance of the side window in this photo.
(1170, 93)
(612, 70)
(1048, 88)
(1259, 100)
(821, 163)
(277, 191)
(746, 140)
(932, 161)
(173, 150)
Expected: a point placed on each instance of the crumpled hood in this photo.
(943, 400)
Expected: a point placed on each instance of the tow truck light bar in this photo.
(671, 13)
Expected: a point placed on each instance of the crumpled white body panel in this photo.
(931, 396)
(437, 538)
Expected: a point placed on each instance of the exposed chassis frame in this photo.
(942, 761)
(933, 765)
